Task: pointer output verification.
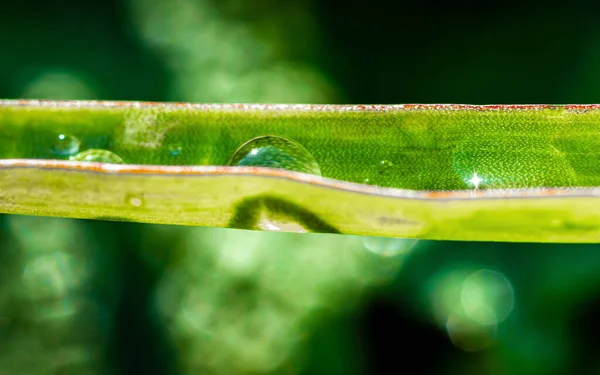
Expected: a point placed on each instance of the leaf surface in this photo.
(452, 172)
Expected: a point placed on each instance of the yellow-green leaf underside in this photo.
(452, 172)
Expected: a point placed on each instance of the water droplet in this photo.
(275, 152)
(98, 156)
(134, 200)
(384, 167)
(389, 247)
(65, 145)
(377, 175)
(174, 149)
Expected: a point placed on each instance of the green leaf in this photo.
(452, 172)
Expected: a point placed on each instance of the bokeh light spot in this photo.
(487, 297)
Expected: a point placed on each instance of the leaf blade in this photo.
(346, 140)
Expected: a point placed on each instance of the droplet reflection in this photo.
(272, 222)
(389, 247)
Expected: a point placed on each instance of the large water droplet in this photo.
(389, 247)
(275, 152)
(98, 156)
(65, 145)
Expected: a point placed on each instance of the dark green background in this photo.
(79, 297)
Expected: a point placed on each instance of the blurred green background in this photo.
(87, 297)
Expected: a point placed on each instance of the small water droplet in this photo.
(389, 247)
(65, 145)
(275, 152)
(377, 177)
(98, 156)
(134, 200)
(384, 167)
(174, 149)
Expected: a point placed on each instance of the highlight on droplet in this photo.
(475, 180)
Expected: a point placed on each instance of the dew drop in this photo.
(174, 149)
(65, 145)
(98, 156)
(384, 167)
(275, 152)
(134, 200)
(377, 175)
(389, 247)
